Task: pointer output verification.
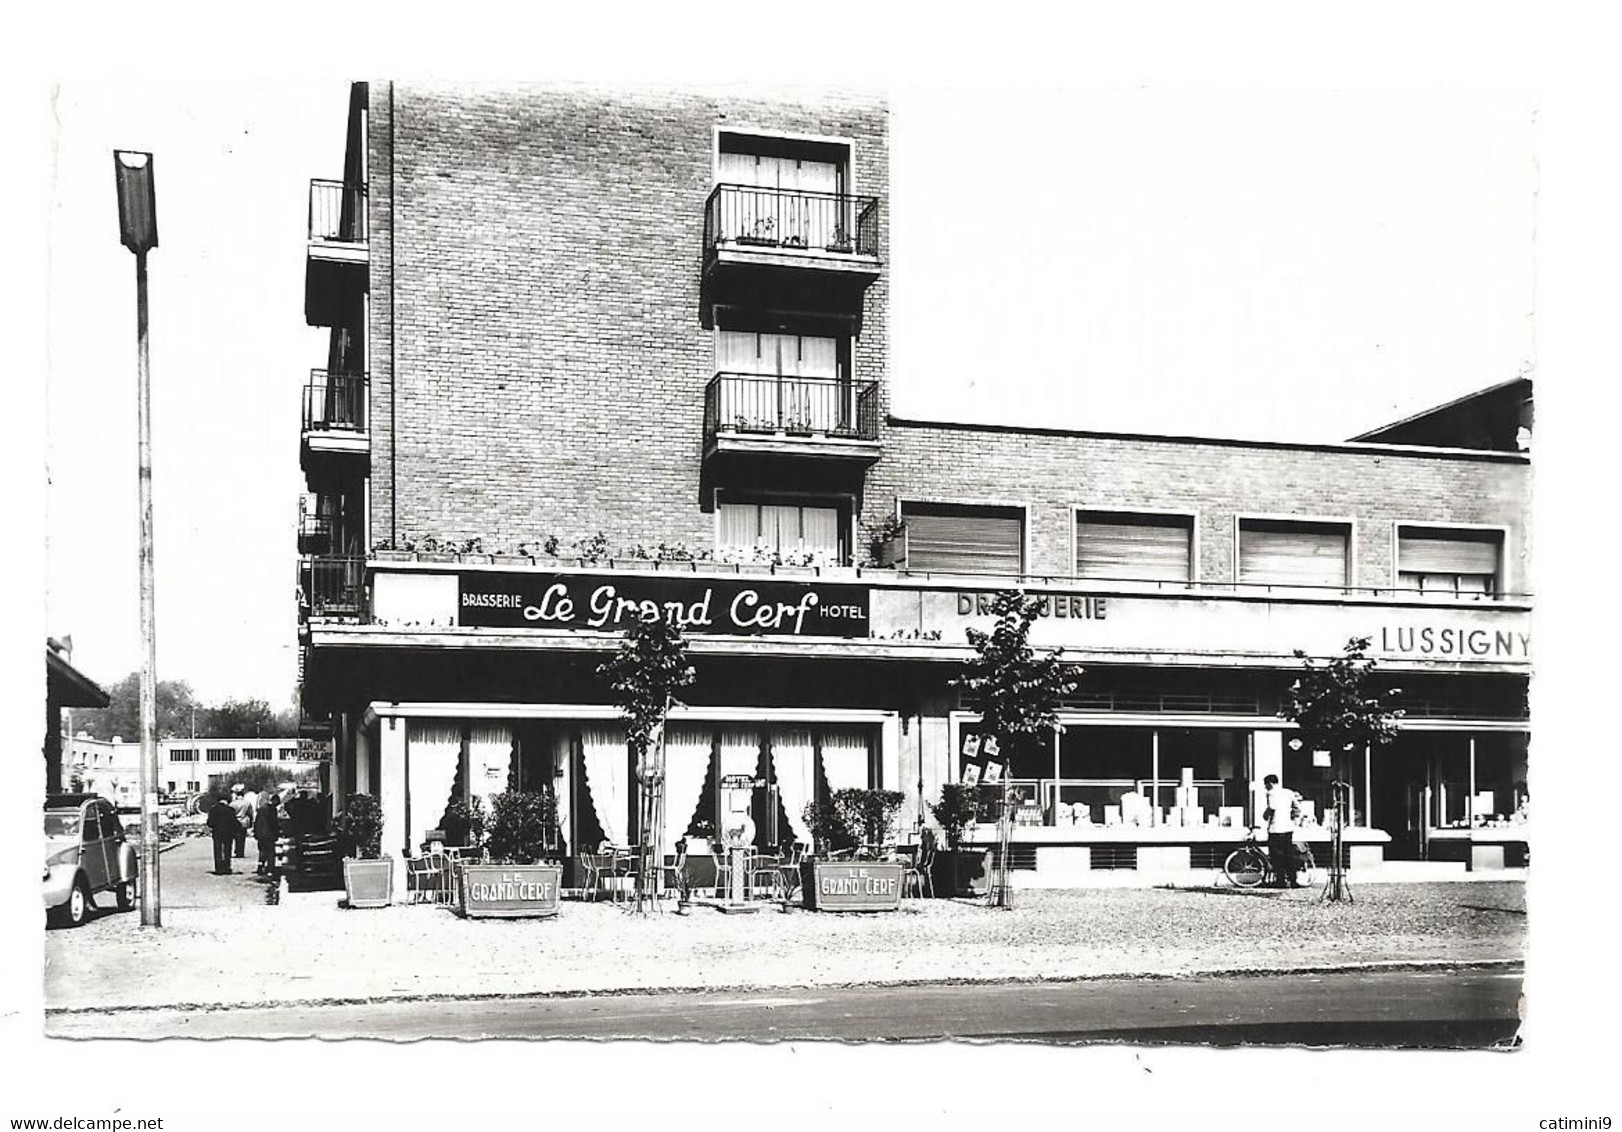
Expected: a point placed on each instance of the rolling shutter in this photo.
(965, 540)
(1133, 547)
(1292, 554)
(1423, 551)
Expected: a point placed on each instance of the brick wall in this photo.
(543, 248)
(1051, 473)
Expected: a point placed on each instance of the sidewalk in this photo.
(219, 947)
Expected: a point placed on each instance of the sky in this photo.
(1250, 264)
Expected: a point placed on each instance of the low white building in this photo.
(112, 768)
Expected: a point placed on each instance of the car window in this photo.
(111, 824)
(61, 824)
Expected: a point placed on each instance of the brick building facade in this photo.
(591, 345)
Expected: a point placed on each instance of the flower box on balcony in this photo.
(394, 555)
(437, 556)
(512, 560)
(478, 559)
(890, 551)
(632, 564)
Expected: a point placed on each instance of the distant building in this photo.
(1498, 418)
(65, 687)
(112, 768)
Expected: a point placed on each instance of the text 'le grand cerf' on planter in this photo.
(508, 891)
(852, 886)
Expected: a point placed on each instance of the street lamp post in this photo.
(138, 230)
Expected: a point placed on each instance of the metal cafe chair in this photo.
(762, 878)
(723, 871)
(589, 871)
(918, 877)
(621, 871)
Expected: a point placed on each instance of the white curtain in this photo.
(740, 524)
(820, 530)
(563, 793)
(687, 761)
(489, 759)
(433, 750)
(793, 763)
(740, 751)
(844, 758)
(608, 779)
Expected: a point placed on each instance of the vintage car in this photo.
(86, 852)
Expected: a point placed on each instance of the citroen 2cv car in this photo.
(85, 853)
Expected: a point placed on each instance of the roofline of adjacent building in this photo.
(74, 688)
(1414, 450)
(1442, 408)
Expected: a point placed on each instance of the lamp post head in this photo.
(137, 200)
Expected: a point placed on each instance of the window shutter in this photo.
(1133, 547)
(1441, 552)
(965, 542)
(1292, 554)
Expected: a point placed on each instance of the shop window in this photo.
(784, 530)
(1459, 563)
(1134, 547)
(1287, 552)
(953, 539)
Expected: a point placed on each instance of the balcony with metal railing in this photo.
(332, 587)
(335, 439)
(789, 248)
(339, 250)
(804, 417)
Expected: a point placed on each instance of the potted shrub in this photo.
(889, 543)
(959, 871)
(431, 549)
(843, 877)
(523, 876)
(464, 823)
(368, 875)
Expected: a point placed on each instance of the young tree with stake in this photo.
(646, 672)
(1019, 694)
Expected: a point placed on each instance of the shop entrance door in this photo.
(1398, 780)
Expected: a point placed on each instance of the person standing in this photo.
(266, 828)
(223, 824)
(242, 806)
(1281, 807)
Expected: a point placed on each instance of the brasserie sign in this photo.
(741, 606)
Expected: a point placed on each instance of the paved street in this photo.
(224, 944)
(1473, 1008)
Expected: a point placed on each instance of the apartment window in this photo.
(221, 755)
(289, 754)
(256, 754)
(1440, 560)
(1134, 547)
(171, 786)
(789, 192)
(183, 755)
(192, 785)
(1287, 552)
(963, 539)
(782, 528)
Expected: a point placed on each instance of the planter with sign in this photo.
(508, 891)
(852, 886)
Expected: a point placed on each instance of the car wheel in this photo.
(77, 909)
(126, 895)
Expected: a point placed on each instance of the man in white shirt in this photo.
(1279, 810)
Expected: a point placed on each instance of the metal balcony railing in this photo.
(739, 403)
(333, 586)
(335, 402)
(338, 212)
(747, 216)
(314, 532)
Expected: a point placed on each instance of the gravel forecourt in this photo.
(307, 949)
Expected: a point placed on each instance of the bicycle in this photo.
(1250, 865)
